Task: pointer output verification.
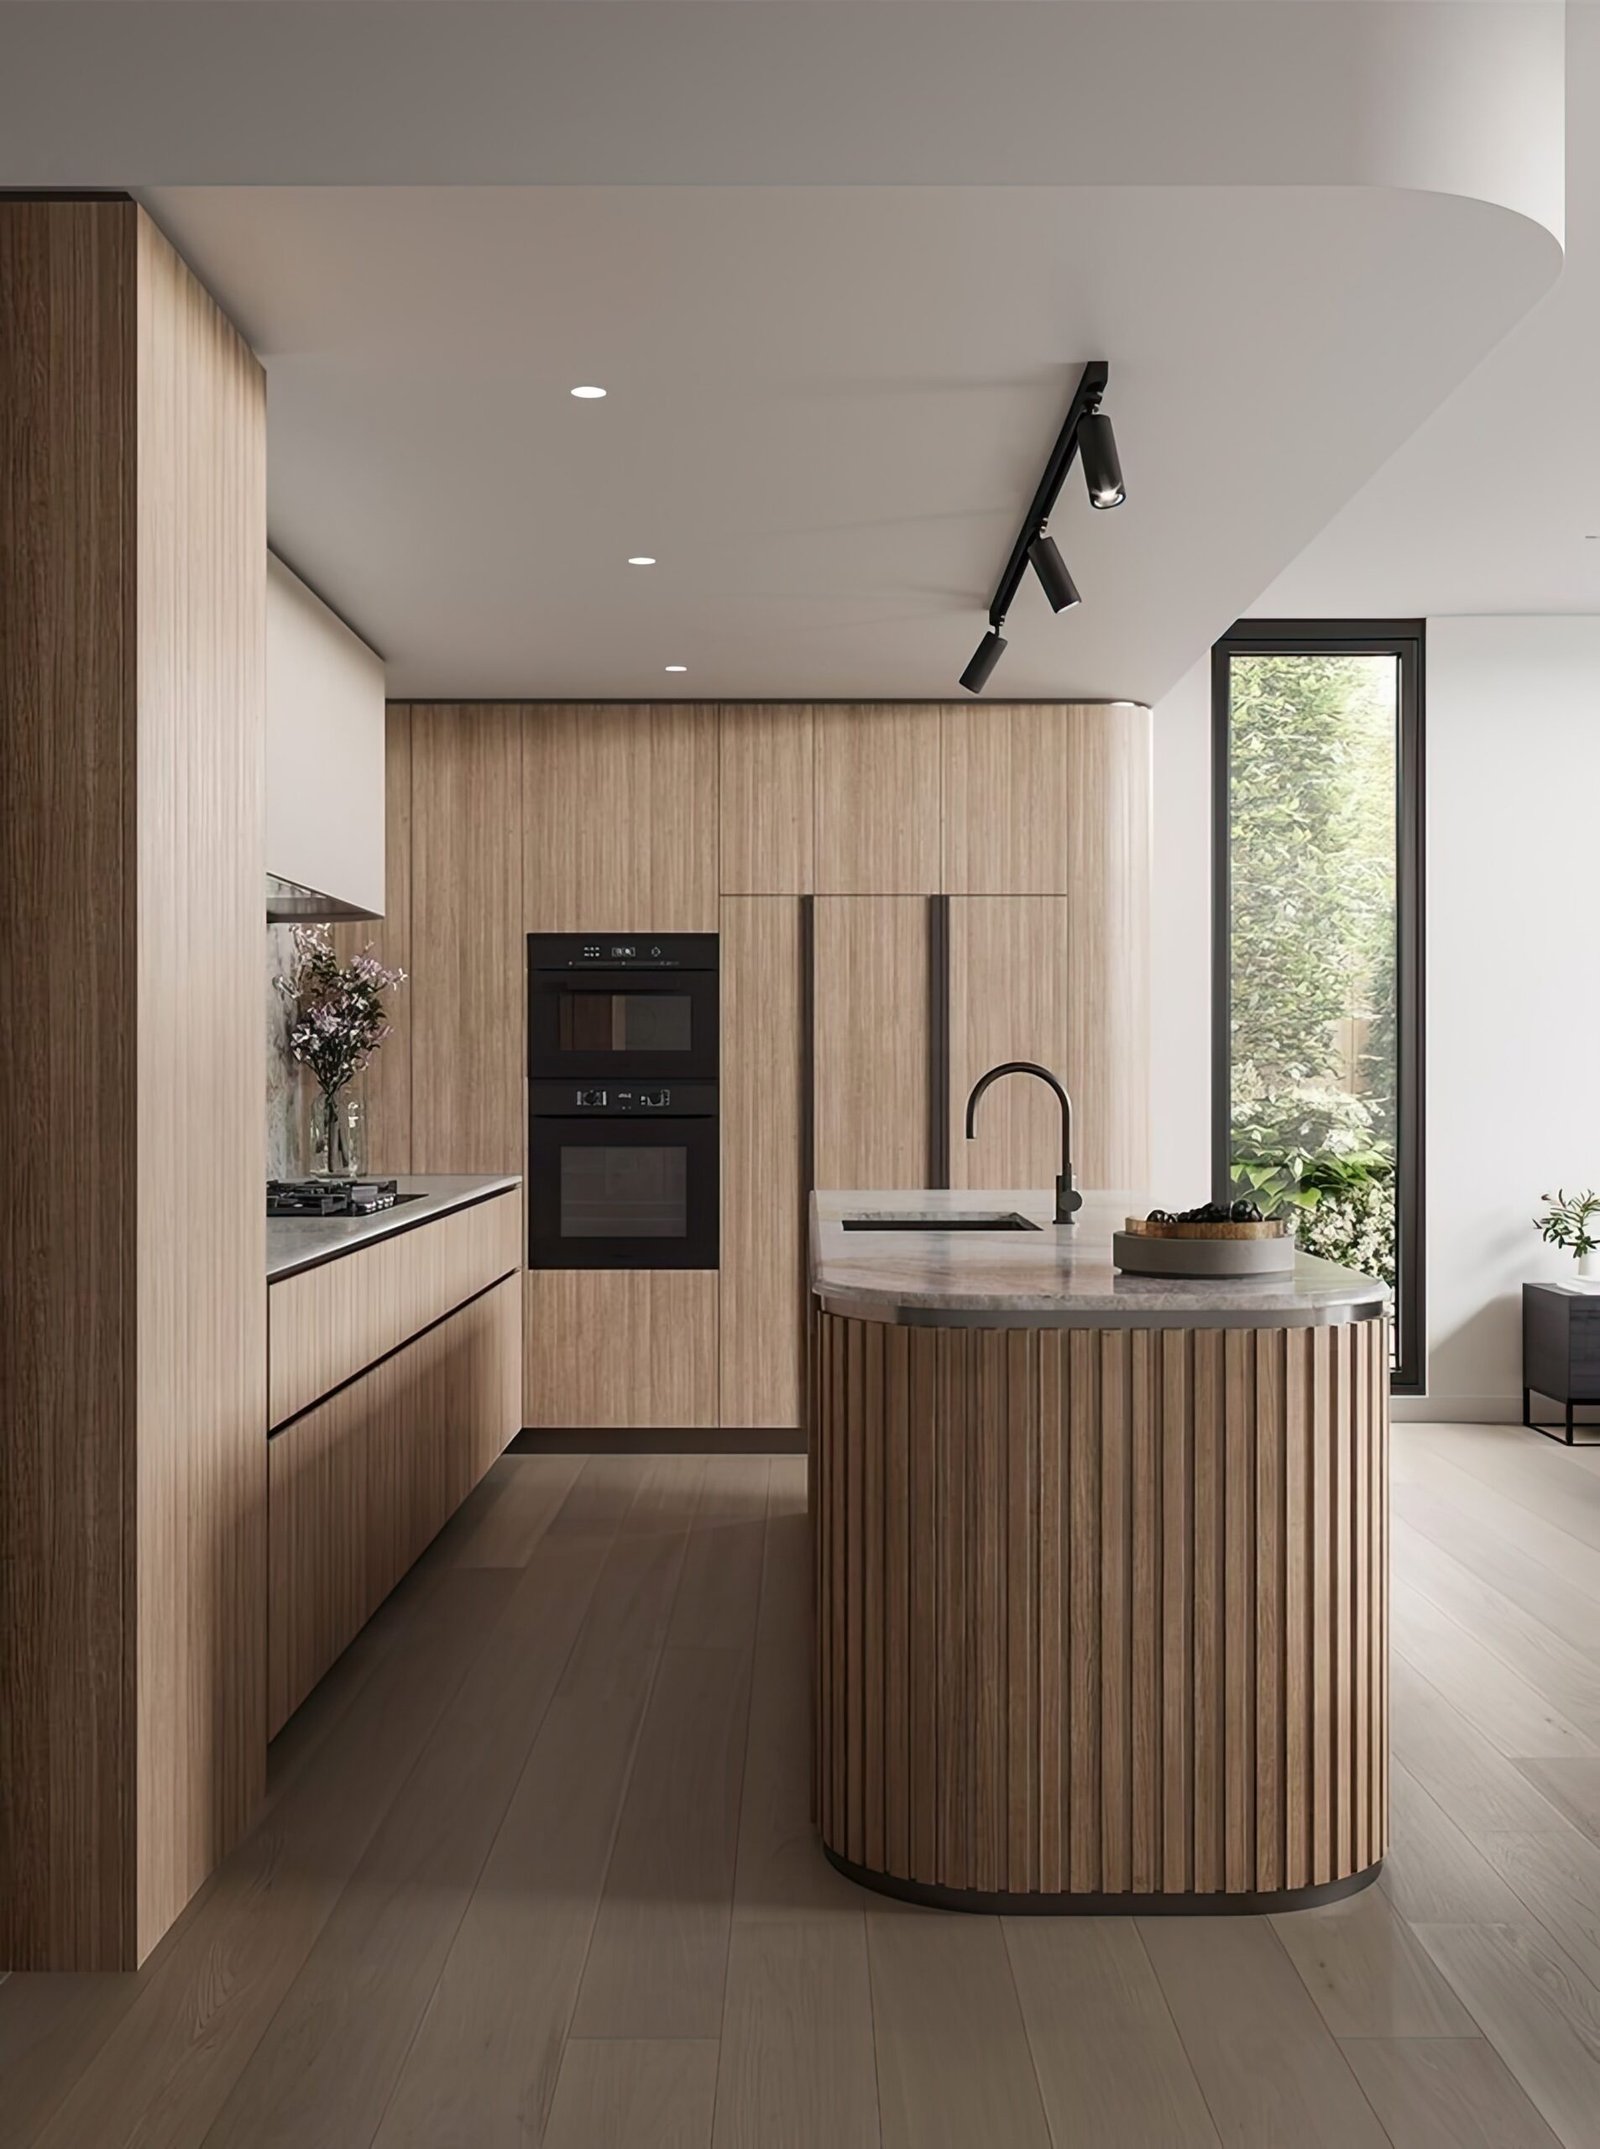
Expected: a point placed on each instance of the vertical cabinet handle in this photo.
(938, 1040)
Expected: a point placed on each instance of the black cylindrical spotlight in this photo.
(984, 659)
(1102, 468)
(1051, 569)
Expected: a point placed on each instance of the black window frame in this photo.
(1406, 640)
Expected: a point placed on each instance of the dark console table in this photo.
(1560, 1353)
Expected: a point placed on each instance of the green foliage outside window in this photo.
(1313, 940)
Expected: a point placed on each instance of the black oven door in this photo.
(624, 1192)
(621, 1023)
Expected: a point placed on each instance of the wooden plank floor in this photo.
(536, 1867)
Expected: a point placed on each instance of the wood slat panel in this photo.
(766, 799)
(619, 817)
(1067, 1643)
(877, 801)
(763, 1219)
(325, 1324)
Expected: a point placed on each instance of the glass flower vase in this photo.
(335, 1146)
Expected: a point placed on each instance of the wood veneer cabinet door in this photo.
(1047, 978)
(766, 759)
(467, 991)
(763, 1218)
(870, 1041)
(619, 814)
(878, 789)
(620, 1348)
(387, 1081)
(1045, 798)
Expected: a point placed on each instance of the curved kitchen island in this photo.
(1101, 1567)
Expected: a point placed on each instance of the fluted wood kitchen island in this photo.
(1101, 1567)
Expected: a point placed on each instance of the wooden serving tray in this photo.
(1140, 1227)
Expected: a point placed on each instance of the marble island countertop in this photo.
(300, 1242)
(1055, 1277)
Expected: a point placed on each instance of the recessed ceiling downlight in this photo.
(589, 394)
(641, 559)
(677, 667)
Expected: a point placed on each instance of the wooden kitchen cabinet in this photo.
(766, 792)
(620, 1348)
(1045, 799)
(1049, 979)
(878, 789)
(763, 1202)
(871, 1042)
(359, 1485)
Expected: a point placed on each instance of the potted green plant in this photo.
(337, 1021)
(1572, 1221)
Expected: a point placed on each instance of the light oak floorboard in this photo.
(797, 2065)
(1572, 1786)
(1270, 2069)
(1557, 1877)
(1432, 1873)
(528, 1490)
(628, 2093)
(1451, 2093)
(1478, 1786)
(1367, 1975)
(954, 2067)
(1110, 2062)
(1514, 1717)
(720, 1587)
(1540, 2014)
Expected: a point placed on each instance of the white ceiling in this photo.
(839, 302)
(1493, 505)
(827, 409)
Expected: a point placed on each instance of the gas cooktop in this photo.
(329, 1197)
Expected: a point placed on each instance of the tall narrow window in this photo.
(1318, 849)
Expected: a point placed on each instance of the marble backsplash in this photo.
(283, 1074)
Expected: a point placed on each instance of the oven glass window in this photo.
(602, 1021)
(624, 1193)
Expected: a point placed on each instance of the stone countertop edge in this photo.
(1055, 1277)
(302, 1242)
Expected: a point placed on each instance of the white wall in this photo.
(325, 749)
(1513, 980)
(1180, 945)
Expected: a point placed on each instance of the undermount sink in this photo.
(972, 1221)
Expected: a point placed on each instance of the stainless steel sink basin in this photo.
(995, 1220)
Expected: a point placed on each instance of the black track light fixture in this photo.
(1102, 466)
(1044, 554)
(984, 659)
(1086, 431)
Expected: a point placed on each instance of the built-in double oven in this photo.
(622, 1100)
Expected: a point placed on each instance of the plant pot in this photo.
(1586, 1272)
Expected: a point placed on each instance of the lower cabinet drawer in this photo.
(359, 1485)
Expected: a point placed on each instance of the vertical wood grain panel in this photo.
(766, 799)
(1147, 1563)
(1104, 1633)
(663, 1372)
(387, 1082)
(199, 1482)
(619, 817)
(763, 1218)
(67, 1079)
(1045, 798)
(1270, 1409)
(1342, 1404)
(467, 988)
(1177, 1611)
(1084, 1608)
(877, 780)
(1209, 1566)
(870, 1023)
(1026, 982)
(1054, 1652)
(1361, 1559)
(1323, 1434)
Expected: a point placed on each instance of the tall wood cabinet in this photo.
(906, 894)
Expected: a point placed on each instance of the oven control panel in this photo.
(623, 1100)
(622, 951)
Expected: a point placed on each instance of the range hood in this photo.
(290, 904)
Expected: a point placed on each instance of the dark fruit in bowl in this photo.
(1159, 1216)
(1245, 1212)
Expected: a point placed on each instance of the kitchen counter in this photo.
(1101, 1569)
(1056, 1277)
(301, 1242)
